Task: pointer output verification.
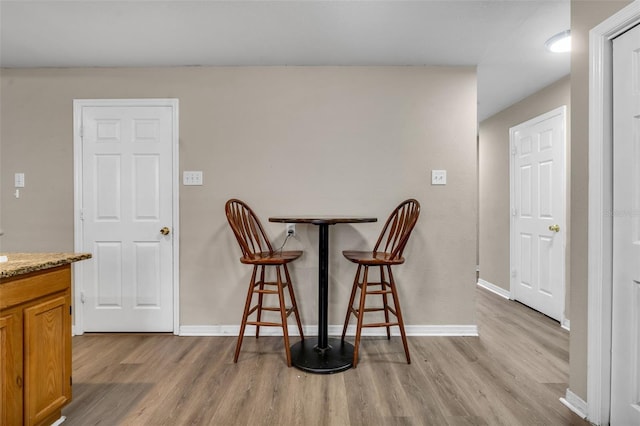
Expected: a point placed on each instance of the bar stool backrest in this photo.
(397, 229)
(247, 229)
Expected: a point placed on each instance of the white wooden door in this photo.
(127, 218)
(625, 336)
(538, 213)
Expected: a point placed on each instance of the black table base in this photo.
(336, 357)
(321, 354)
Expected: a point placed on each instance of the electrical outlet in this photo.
(438, 177)
(291, 229)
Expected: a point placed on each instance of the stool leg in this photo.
(351, 299)
(283, 315)
(293, 300)
(363, 296)
(396, 302)
(260, 298)
(385, 301)
(247, 305)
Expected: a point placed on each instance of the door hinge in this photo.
(82, 297)
(514, 212)
(81, 214)
(70, 381)
(70, 310)
(514, 272)
(81, 130)
(514, 150)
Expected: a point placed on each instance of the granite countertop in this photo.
(23, 263)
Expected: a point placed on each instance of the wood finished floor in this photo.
(513, 374)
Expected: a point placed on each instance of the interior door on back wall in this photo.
(127, 218)
(538, 213)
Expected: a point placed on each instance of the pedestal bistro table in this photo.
(322, 355)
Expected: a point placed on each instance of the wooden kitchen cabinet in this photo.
(11, 367)
(35, 338)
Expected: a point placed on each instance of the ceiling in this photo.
(503, 38)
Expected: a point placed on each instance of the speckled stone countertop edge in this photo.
(24, 263)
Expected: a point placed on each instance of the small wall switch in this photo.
(192, 178)
(438, 177)
(19, 180)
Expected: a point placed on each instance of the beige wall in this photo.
(584, 16)
(345, 140)
(493, 154)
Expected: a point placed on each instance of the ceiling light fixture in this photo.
(559, 43)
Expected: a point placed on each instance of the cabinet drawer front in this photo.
(47, 357)
(25, 288)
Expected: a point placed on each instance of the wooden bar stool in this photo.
(257, 251)
(386, 253)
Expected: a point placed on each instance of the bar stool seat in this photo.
(372, 258)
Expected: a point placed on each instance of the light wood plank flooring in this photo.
(513, 374)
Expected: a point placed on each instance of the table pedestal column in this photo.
(322, 354)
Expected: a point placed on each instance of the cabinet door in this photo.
(47, 357)
(10, 368)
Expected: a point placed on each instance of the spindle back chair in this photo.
(258, 251)
(388, 251)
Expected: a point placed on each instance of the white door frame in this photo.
(78, 104)
(601, 209)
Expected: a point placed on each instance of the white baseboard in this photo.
(234, 330)
(413, 330)
(566, 324)
(575, 404)
(59, 421)
(494, 288)
(334, 330)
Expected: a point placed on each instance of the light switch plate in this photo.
(192, 178)
(19, 180)
(438, 177)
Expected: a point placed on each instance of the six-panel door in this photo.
(538, 213)
(625, 333)
(127, 218)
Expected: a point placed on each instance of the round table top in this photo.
(322, 219)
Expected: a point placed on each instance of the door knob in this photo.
(165, 231)
(554, 228)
